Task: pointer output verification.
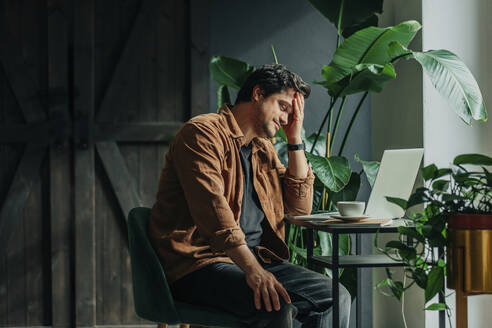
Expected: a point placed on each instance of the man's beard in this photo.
(268, 131)
(264, 129)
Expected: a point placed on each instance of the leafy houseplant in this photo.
(363, 62)
(448, 193)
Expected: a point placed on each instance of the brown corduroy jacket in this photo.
(196, 213)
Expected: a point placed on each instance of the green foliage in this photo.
(349, 192)
(366, 53)
(437, 307)
(455, 83)
(229, 71)
(350, 16)
(398, 201)
(474, 159)
(334, 172)
(319, 148)
(223, 96)
(447, 190)
(370, 168)
(364, 77)
(435, 282)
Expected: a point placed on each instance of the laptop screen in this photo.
(395, 178)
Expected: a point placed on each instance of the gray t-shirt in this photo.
(251, 212)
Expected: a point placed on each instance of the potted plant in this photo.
(457, 215)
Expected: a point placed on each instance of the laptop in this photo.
(396, 176)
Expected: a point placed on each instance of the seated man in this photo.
(217, 224)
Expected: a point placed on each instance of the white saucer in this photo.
(351, 218)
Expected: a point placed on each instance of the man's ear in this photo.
(257, 93)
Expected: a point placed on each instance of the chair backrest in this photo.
(151, 293)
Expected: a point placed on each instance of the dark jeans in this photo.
(223, 286)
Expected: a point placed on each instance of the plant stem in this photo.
(339, 24)
(274, 55)
(323, 196)
(403, 301)
(328, 129)
(322, 124)
(337, 121)
(352, 122)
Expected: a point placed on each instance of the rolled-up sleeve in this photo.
(298, 193)
(198, 152)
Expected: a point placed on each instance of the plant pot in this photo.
(470, 252)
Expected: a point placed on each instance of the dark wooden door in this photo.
(90, 94)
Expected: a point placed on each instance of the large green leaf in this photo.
(364, 77)
(437, 307)
(349, 280)
(454, 81)
(354, 12)
(229, 71)
(223, 96)
(369, 45)
(435, 283)
(319, 148)
(334, 172)
(370, 168)
(396, 50)
(349, 192)
(474, 159)
(398, 201)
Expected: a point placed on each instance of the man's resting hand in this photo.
(264, 284)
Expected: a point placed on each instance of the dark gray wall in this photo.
(304, 41)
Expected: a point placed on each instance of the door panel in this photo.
(90, 94)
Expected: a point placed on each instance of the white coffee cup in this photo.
(352, 208)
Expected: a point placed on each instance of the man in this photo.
(217, 224)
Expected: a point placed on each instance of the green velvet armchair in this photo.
(152, 296)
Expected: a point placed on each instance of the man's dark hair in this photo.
(272, 78)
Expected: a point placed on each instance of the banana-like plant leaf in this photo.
(354, 12)
(229, 71)
(223, 96)
(325, 241)
(365, 77)
(370, 168)
(369, 45)
(397, 50)
(349, 192)
(454, 81)
(334, 172)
